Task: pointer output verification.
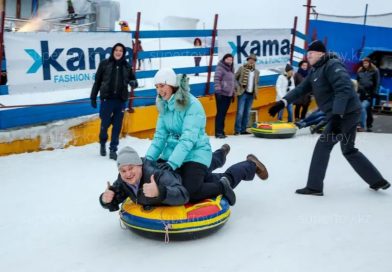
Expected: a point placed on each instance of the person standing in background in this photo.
(302, 103)
(368, 78)
(111, 81)
(247, 78)
(224, 85)
(284, 84)
(197, 44)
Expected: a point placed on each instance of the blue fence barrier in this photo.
(26, 116)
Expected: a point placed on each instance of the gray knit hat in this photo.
(127, 156)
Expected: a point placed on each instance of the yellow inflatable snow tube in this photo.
(274, 130)
(189, 221)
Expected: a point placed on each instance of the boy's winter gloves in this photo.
(277, 107)
(336, 124)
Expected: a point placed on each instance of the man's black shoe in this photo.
(228, 192)
(113, 155)
(102, 150)
(226, 149)
(220, 136)
(382, 184)
(308, 191)
(245, 133)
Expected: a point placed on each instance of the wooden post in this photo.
(134, 60)
(2, 10)
(18, 9)
(212, 49)
(308, 6)
(293, 39)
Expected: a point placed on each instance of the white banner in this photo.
(50, 61)
(271, 46)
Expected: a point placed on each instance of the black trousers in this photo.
(222, 105)
(111, 113)
(369, 117)
(201, 183)
(357, 160)
(298, 114)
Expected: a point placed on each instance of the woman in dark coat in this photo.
(224, 84)
(304, 101)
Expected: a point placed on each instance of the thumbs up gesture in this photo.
(151, 189)
(108, 195)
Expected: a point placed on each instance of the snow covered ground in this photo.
(51, 219)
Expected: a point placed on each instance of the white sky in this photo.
(253, 14)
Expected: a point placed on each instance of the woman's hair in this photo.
(302, 62)
(197, 40)
(227, 56)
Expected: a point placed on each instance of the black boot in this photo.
(308, 191)
(113, 155)
(228, 192)
(382, 184)
(102, 150)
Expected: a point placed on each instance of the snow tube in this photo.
(274, 130)
(189, 221)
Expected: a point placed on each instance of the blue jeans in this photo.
(290, 112)
(313, 119)
(243, 111)
(365, 105)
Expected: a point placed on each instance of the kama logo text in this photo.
(259, 48)
(75, 59)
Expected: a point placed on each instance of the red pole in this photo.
(18, 9)
(308, 6)
(2, 34)
(134, 59)
(293, 40)
(214, 32)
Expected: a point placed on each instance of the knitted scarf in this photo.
(303, 72)
(245, 73)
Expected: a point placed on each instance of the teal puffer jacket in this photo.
(180, 133)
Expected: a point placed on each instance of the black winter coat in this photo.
(305, 99)
(106, 80)
(331, 85)
(368, 82)
(171, 191)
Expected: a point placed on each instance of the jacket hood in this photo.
(180, 99)
(111, 58)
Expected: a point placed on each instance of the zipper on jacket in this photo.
(116, 80)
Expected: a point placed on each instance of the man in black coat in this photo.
(111, 80)
(335, 95)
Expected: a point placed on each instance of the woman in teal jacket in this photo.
(180, 142)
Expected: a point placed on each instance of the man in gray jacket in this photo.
(335, 95)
